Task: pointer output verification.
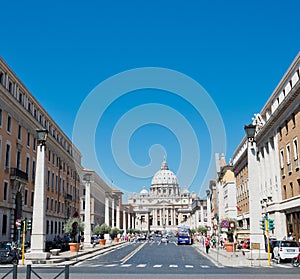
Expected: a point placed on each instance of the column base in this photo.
(37, 256)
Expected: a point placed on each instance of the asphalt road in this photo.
(157, 260)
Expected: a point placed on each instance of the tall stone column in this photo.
(208, 208)
(118, 217)
(87, 212)
(124, 220)
(107, 210)
(202, 215)
(38, 236)
(255, 209)
(129, 220)
(113, 212)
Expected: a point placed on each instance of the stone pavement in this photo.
(71, 258)
(242, 258)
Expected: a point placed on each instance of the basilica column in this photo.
(129, 220)
(172, 216)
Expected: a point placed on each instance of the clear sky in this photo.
(134, 81)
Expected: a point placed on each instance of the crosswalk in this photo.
(144, 265)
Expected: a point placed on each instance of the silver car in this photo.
(285, 250)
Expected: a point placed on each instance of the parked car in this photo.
(8, 254)
(285, 250)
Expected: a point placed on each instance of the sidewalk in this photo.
(71, 258)
(234, 259)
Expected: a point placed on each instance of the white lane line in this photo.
(141, 265)
(204, 266)
(157, 265)
(173, 265)
(126, 265)
(189, 266)
(110, 265)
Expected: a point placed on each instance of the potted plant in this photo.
(74, 226)
(114, 234)
(101, 230)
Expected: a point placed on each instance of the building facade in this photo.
(267, 169)
(165, 207)
(20, 116)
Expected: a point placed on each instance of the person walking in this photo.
(207, 244)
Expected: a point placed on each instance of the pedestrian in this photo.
(207, 244)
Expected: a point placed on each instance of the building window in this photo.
(284, 192)
(5, 191)
(0, 118)
(296, 151)
(19, 132)
(18, 165)
(10, 87)
(28, 139)
(8, 128)
(292, 189)
(4, 224)
(48, 179)
(27, 165)
(33, 170)
(47, 205)
(2, 78)
(7, 156)
(26, 197)
(34, 144)
(281, 159)
(32, 199)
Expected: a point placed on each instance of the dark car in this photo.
(8, 254)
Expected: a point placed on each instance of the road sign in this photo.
(255, 246)
(225, 224)
(215, 227)
(18, 222)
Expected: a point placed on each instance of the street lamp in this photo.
(38, 237)
(87, 210)
(250, 131)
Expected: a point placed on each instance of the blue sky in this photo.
(237, 51)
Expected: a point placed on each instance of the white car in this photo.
(285, 250)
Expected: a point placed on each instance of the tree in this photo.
(101, 230)
(74, 226)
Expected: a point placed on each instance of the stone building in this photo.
(267, 166)
(165, 206)
(20, 116)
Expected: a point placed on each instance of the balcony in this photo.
(16, 174)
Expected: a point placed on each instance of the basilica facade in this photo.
(165, 207)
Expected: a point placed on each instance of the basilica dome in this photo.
(164, 181)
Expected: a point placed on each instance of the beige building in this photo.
(20, 116)
(274, 160)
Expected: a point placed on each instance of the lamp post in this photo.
(38, 236)
(255, 209)
(87, 211)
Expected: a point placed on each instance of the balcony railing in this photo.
(68, 197)
(16, 174)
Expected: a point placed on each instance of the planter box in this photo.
(230, 247)
(102, 242)
(74, 247)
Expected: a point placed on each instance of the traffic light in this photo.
(262, 224)
(271, 224)
(29, 225)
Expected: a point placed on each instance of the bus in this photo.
(184, 235)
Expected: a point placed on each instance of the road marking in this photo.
(157, 265)
(111, 265)
(173, 265)
(126, 258)
(189, 266)
(126, 265)
(204, 266)
(141, 265)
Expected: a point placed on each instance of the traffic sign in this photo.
(225, 224)
(215, 227)
(18, 222)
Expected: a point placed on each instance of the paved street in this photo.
(153, 259)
